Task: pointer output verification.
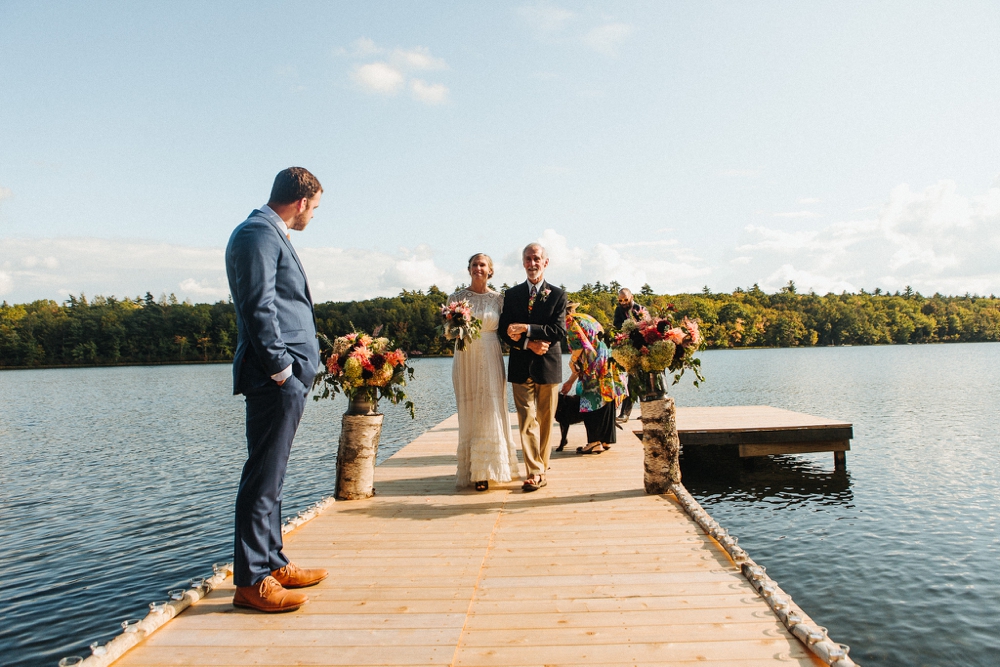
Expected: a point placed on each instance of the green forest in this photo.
(145, 330)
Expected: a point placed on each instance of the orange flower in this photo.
(675, 335)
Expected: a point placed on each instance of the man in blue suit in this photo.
(276, 358)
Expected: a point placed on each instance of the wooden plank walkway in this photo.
(586, 571)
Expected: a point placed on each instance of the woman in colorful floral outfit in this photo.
(601, 389)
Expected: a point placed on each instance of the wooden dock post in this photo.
(840, 460)
(661, 445)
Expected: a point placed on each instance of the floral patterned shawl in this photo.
(591, 359)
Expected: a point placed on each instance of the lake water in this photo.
(117, 484)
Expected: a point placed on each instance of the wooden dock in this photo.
(586, 571)
(760, 430)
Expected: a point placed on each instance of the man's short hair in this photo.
(534, 245)
(293, 184)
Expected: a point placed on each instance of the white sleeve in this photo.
(283, 375)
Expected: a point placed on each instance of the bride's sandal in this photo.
(592, 448)
(482, 486)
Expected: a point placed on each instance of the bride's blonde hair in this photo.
(489, 261)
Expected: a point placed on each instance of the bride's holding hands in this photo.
(486, 450)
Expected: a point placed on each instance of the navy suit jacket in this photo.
(274, 310)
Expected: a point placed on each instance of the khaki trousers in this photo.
(536, 407)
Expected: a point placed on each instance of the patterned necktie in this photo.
(531, 298)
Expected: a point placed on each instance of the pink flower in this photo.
(675, 335)
(693, 331)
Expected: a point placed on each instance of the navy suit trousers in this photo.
(273, 415)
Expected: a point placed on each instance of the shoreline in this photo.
(448, 356)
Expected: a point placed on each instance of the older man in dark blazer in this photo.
(533, 324)
(276, 359)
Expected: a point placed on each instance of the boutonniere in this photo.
(539, 297)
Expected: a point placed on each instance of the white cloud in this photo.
(49, 267)
(338, 274)
(362, 47)
(378, 77)
(417, 58)
(31, 261)
(114, 267)
(805, 280)
(665, 265)
(545, 18)
(797, 214)
(933, 239)
(429, 93)
(388, 77)
(606, 39)
(194, 288)
(5, 193)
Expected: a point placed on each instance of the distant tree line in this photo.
(106, 330)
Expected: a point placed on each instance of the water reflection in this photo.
(717, 473)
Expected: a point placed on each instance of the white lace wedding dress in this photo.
(486, 450)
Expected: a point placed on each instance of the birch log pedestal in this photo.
(360, 430)
(661, 446)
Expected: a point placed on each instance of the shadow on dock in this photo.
(477, 503)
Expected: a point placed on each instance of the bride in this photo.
(485, 446)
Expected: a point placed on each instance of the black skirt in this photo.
(601, 424)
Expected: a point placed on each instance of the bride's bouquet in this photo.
(458, 323)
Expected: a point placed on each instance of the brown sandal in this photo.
(533, 484)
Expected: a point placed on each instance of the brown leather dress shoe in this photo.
(293, 576)
(268, 596)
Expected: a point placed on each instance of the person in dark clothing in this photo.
(626, 309)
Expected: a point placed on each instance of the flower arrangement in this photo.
(648, 347)
(458, 323)
(363, 366)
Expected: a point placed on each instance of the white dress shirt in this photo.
(282, 375)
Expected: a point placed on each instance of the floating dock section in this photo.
(760, 430)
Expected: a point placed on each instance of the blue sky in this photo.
(840, 145)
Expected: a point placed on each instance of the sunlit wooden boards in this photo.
(586, 571)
